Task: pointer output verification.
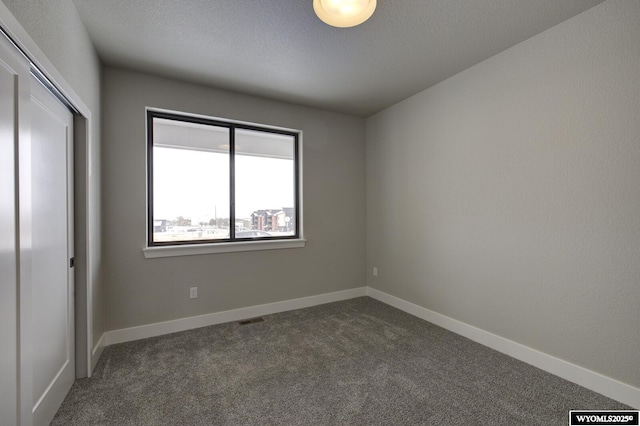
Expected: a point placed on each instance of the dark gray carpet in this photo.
(358, 362)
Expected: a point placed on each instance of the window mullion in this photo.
(232, 183)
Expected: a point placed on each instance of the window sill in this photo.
(197, 249)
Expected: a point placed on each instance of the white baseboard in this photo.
(182, 324)
(604, 385)
(597, 382)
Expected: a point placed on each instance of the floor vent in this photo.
(251, 321)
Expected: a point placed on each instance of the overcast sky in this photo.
(194, 184)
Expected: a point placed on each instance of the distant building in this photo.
(282, 220)
(160, 225)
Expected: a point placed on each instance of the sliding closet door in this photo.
(14, 75)
(52, 241)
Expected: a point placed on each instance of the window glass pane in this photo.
(264, 184)
(190, 181)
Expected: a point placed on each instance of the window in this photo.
(216, 181)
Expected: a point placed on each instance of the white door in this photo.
(52, 243)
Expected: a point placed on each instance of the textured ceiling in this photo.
(279, 49)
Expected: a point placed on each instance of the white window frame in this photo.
(188, 248)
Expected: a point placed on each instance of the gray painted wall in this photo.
(507, 197)
(57, 29)
(143, 291)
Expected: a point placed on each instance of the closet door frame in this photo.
(14, 285)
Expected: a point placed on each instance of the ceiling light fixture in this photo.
(344, 13)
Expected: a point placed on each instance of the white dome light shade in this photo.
(344, 13)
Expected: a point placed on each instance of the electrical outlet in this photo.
(193, 293)
(375, 271)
